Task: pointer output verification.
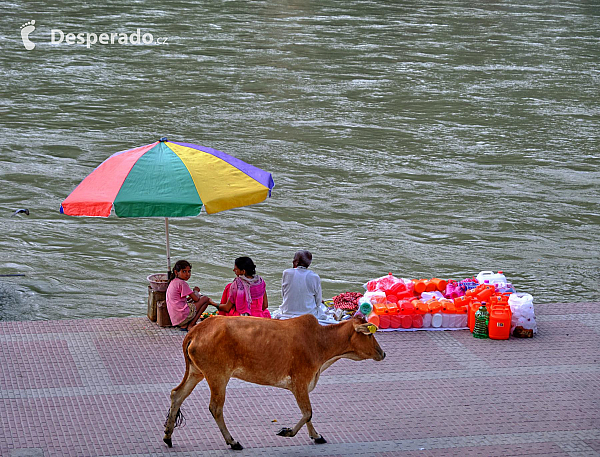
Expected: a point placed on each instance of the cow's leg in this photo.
(217, 400)
(316, 437)
(303, 401)
(178, 395)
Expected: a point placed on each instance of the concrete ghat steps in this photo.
(100, 387)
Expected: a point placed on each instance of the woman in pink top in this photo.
(247, 294)
(185, 305)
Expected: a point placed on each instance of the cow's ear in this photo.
(367, 329)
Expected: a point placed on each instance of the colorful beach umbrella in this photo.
(168, 179)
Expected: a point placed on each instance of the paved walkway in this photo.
(101, 388)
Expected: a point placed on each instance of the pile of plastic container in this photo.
(397, 303)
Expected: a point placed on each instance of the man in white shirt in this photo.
(301, 290)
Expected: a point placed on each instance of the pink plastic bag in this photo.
(385, 283)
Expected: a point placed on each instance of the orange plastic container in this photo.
(430, 286)
(380, 308)
(499, 325)
(473, 307)
(373, 319)
(500, 306)
(499, 299)
(473, 292)
(434, 306)
(384, 321)
(420, 285)
(392, 308)
(461, 309)
(407, 307)
(480, 288)
(462, 301)
(420, 307)
(447, 306)
(485, 294)
(440, 284)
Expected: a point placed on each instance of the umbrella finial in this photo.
(163, 139)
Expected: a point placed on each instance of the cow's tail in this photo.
(179, 419)
(176, 419)
(186, 355)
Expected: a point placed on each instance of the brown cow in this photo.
(290, 354)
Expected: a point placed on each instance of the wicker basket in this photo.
(158, 282)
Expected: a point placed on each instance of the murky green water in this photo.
(422, 138)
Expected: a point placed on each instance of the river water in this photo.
(420, 138)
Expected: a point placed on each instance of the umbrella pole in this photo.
(168, 250)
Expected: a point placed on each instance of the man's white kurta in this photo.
(301, 291)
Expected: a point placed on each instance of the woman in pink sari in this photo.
(247, 294)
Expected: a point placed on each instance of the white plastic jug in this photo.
(426, 320)
(446, 320)
(436, 320)
(491, 277)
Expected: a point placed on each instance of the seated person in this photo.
(247, 294)
(185, 306)
(301, 290)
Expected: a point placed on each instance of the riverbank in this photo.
(100, 387)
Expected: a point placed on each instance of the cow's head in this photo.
(363, 342)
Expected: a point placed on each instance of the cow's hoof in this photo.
(285, 432)
(168, 442)
(320, 440)
(237, 446)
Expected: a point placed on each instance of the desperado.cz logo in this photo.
(88, 39)
(58, 36)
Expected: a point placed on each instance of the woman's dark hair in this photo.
(246, 263)
(179, 265)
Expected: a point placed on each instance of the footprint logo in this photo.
(26, 29)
